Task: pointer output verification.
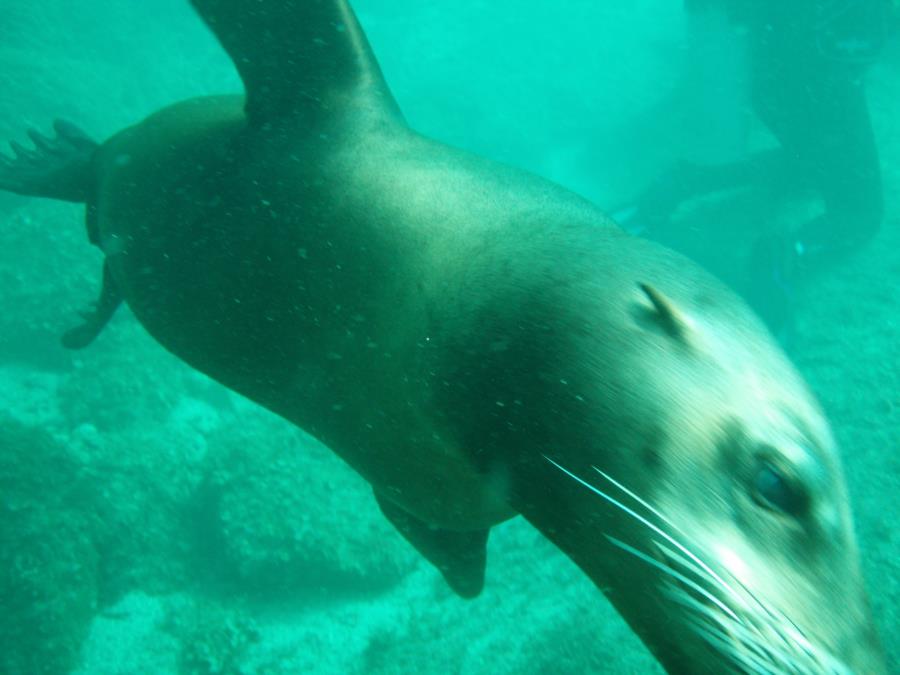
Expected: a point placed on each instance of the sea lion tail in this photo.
(62, 168)
(291, 54)
(57, 168)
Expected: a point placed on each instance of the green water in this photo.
(153, 522)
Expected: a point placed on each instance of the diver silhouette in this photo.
(806, 60)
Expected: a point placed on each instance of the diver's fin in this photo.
(57, 168)
(460, 556)
(96, 318)
(292, 53)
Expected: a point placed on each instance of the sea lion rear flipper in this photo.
(460, 556)
(292, 53)
(57, 168)
(95, 319)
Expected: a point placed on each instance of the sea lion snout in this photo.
(748, 535)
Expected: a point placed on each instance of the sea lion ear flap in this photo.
(665, 314)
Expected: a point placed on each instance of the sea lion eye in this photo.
(771, 488)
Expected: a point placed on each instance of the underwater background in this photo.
(152, 521)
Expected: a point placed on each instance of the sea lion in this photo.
(478, 342)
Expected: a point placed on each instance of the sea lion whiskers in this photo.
(644, 521)
(715, 630)
(671, 572)
(753, 639)
(758, 627)
(751, 632)
(726, 615)
(693, 561)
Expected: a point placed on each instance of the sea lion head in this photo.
(716, 506)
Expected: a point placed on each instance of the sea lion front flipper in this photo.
(57, 168)
(460, 556)
(96, 318)
(291, 54)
